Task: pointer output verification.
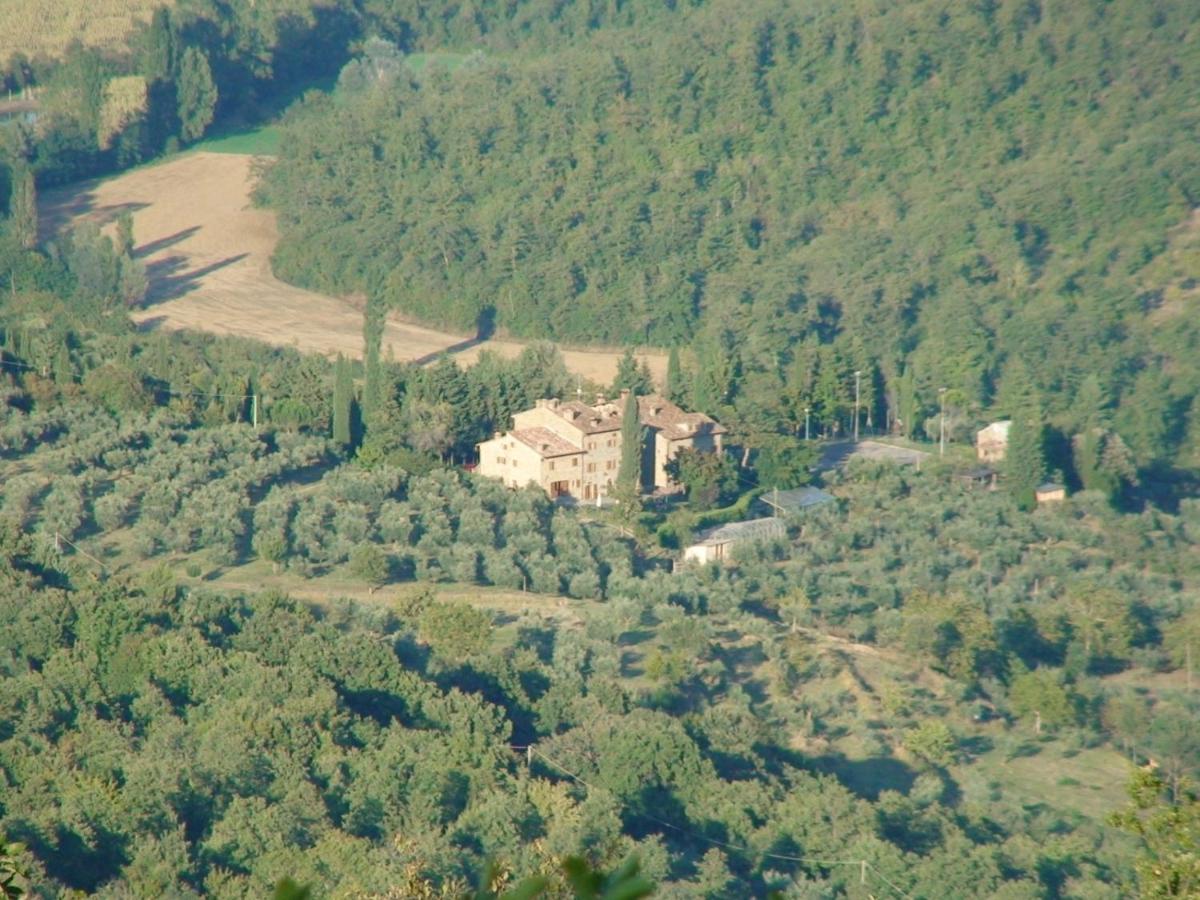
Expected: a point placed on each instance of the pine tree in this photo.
(629, 473)
(343, 401)
(1025, 461)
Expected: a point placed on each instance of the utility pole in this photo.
(942, 422)
(806, 411)
(857, 376)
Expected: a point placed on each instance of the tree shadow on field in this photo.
(152, 247)
(485, 328)
(61, 210)
(166, 285)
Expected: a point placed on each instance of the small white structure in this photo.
(717, 543)
(991, 443)
(1050, 493)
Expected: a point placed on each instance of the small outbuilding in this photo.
(1050, 493)
(717, 543)
(793, 502)
(991, 443)
(979, 476)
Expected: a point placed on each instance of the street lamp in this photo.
(942, 422)
(806, 423)
(857, 375)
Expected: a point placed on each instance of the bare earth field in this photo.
(207, 252)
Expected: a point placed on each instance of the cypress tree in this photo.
(373, 325)
(629, 473)
(343, 400)
(674, 388)
(23, 208)
(1025, 461)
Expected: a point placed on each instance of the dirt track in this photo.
(207, 252)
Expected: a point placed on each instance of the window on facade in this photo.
(514, 462)
(611, 464)
(591, 467)
(500, 460)
(575, 460)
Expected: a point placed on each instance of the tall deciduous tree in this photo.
(197, 94)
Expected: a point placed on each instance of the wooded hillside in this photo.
(799, 190)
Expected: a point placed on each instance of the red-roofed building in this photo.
(572, 449)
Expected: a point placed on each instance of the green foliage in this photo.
(22, 208)
(1025, 461)
(708, 477)
(370, 564)
(1169, 864)
(770, 187)
(197, 94)
(1041, 696)
(933, 741)
(629, 472)
(12, 873)
(343, 403)
(455, 630)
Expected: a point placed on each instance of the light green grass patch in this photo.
(256, 142)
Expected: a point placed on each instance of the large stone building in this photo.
(572, 449)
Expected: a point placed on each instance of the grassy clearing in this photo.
(1088, 783)
(47, 27)
(254, 142)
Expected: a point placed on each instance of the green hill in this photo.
(801, 189)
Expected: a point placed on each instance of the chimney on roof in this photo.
(545, 446)
(554, 403)
(599, 399)
(656, 410)
(497, 436)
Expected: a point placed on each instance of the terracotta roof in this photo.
(545, 442)
(658, 412)
(588, 419)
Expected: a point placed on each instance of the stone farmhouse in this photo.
(571, 449)
(991, 443)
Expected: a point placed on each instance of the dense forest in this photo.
(989, 198)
